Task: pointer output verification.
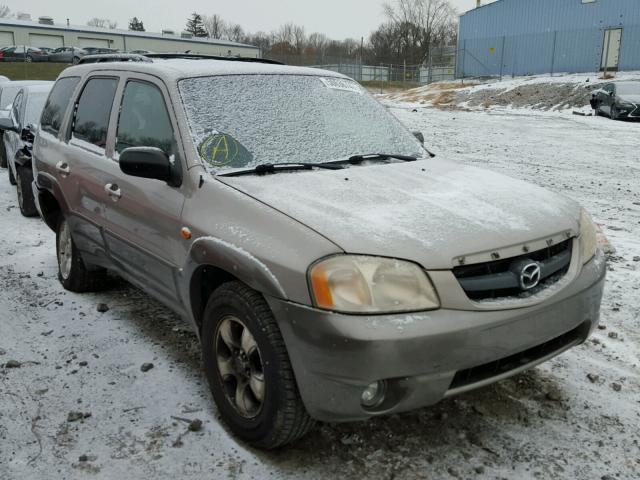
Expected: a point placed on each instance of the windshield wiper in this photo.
(357, 159)
(265, 168)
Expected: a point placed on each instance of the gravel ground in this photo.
(78, 404)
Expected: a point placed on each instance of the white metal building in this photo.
(45, 33)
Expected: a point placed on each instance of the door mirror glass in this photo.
(146, 162)
(27, 134)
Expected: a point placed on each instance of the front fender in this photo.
(236, 261)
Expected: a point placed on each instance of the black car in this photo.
(619, 100)
(19, 125)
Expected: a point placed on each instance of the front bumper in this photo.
(425, 357)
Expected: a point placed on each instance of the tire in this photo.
(3, 154)
(75, 60)
(12, 179)
(29, 59)
(615, 115)
(24, 178)
(72, 272)
(279, 417)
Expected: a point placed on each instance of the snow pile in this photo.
(540, 92)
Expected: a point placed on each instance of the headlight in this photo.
(588, 238)
(362, 284)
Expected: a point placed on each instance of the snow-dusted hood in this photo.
(428, 211)
(630, 98)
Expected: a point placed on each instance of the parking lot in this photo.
(79, 405)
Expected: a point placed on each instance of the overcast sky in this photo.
(337, 18)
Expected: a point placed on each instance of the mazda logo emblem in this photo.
(530, 276)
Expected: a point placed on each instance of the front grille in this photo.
(489, 370)
(501, 278)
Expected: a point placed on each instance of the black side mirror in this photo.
(147, 162)
(7, 123)
(419, 136)
(27, 134)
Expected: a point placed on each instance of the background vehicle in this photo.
(619, 100)
(67, 55)
(22, 53)
(8, 91)
(19, 129)
(325, 283)
(99, 50)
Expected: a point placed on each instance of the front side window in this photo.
(240, 121)
(91, 122)
(144, 120)
(56, 106)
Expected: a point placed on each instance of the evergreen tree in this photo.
(136, 25)
(195, 26)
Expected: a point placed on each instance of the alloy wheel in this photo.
(240, 367)
(65, 250)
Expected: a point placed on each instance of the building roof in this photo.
(116, 31)
(177, 69)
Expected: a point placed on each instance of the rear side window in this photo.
(91, 121)
(56, 105)
(144, 119)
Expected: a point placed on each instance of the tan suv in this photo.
(332, 270)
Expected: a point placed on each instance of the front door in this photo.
(143, 215)
(611, 49)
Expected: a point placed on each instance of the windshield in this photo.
(240, 121)
(35, 105)
(8, 95)
(628, 88)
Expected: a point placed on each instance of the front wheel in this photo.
(76, 60)
(72, 272)
(24, 178)
(248, 369)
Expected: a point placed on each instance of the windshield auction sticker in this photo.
(341, 84)
(222, 150)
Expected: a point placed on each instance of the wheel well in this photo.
(203, 282)
(50, 209)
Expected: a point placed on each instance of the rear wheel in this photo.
(3, 154)
(25, 193)
(29, 59)
(12, 179)
(76, 60)
(72, 272)
(248, 369)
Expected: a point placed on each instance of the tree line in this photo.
(410, 30)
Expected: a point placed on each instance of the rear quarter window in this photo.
(91, 122)
(56, 106)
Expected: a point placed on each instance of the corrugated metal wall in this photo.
(523, 37)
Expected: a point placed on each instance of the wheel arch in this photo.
(213, 262)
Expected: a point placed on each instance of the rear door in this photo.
(143, 215)
(86, 167)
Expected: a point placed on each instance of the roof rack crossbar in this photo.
(113, 57)
(200, 56)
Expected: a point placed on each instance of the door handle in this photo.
(63, 168)
(113, 191)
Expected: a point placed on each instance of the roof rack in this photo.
(113, 57)
(199, 56)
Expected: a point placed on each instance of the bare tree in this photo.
(215, 26)
(102, 23)
(5, 11)
(419, 25)
(299, 38)
(234, 33)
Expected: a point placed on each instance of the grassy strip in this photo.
(31, 71)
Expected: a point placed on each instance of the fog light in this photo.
(373, 395)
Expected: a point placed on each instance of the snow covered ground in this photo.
(577, 416)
